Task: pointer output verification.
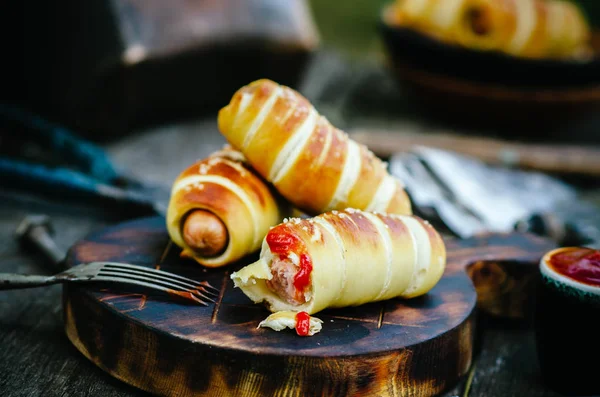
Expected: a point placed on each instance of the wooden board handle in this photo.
(503, 268)
(561, 159)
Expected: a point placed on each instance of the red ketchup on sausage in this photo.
(302, 323)
(282, 243)
(579, 264)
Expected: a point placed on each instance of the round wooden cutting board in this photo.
(417, 347)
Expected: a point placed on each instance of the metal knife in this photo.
(470, 197)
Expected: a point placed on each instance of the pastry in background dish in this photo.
(220, 209)
(343, 258)
(314, 165)
(523, 28)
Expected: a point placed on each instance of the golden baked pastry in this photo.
(343, 258)
(220, 209)
(314, 165)
(524, 28)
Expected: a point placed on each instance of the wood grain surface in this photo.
(549, 158)
(417, 347)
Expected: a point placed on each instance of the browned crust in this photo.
(237, 173)
(287, 115)
(261, 93)
(213, 197)
(312, 180)
(395, 226)
(400, 202)
(372, 172)
(354, 229)
(437, 244)
(536, 45)
(313, 184)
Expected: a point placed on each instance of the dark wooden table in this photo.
(36, 358)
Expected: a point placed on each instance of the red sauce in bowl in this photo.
(579, 264)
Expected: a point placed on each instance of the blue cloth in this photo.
(87, 171)
(84, 155)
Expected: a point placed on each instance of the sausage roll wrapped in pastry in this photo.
(527, 28)
(343, 258)
(220, 210)
(314, 165)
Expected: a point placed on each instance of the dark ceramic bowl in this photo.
(490, 87)
(567, 307)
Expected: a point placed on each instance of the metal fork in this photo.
(200, 292)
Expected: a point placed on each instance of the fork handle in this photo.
(19, 281)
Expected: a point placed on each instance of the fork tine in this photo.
(207, 285)
(171, 287)
(198, 292)
(185, 285)
(193, 291)
(150, 285)
(160, 272)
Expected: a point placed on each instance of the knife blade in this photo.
(470, 197)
